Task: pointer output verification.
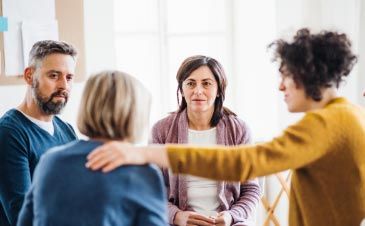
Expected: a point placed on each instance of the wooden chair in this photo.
(270, 207)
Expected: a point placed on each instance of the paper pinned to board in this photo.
(12, 50)
(33, 32)
(18, 11)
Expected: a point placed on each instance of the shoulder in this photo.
(343, 107)
(55, 153)
(143, 184)
(62, 123)
(339, 118)
(162, 126)
(166, 121)
(238, 127)
(10, 130)
(13, 128)
(338, 112)
(66, 127)
(339, 121)
(56, 163)
(11, 113)
(235, 121)
(147, 177)
(14, 142)
(13, 119)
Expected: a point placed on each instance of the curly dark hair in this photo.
(316, 60)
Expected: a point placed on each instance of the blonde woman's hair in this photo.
(115, 106)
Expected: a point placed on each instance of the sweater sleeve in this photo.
(15, 178)
(300, 144)
(244, 208)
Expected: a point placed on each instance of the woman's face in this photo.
(200, 90)
(294, 95)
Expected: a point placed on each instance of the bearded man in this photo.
(29, 130)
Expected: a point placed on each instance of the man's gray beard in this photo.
(45, 104)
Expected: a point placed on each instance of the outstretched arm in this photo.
(114, 154)
(300, 144)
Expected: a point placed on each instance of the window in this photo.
(153, 37)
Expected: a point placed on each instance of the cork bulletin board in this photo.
(70, 18)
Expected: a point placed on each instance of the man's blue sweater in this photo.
(21, 144)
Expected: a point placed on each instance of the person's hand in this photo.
(223, 218)
(114, 154)
(189, 218)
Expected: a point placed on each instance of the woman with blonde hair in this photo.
(114, 106)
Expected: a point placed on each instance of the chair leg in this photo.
(270, 208)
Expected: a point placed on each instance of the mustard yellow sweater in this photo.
(325, 150)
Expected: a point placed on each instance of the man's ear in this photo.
(28, 75)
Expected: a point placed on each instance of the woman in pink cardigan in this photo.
(201, 119)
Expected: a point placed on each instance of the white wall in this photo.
(361, 52)
(10, 97)
(99, 49)
(255, 79)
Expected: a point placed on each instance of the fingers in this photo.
(111, 145)
(219, 220)
(103, 156)
(99, 160)
(223, 218)
(112, 165)
(95, 152)
(203, 218)
(200, 220)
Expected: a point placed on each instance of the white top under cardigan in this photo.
(202, 193)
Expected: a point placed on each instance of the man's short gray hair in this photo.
(41, 49)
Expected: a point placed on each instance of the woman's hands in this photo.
(224, 218)
(116, 153)
(189, 218)
(112, 155)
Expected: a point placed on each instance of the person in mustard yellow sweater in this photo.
(325, 149)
